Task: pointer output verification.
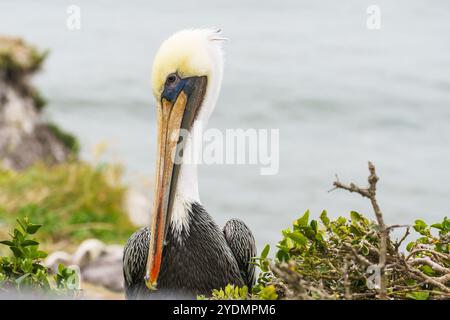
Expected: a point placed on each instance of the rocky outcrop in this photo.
(24, 137)
(98, 263)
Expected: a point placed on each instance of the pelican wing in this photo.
(134, 261)
(240, 240)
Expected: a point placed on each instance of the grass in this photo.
(73, 201)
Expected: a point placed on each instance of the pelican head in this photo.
(186, 79)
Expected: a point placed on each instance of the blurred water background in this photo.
(339, 93)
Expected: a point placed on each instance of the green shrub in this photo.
(23, 271)
(354, 258)
(330, 259)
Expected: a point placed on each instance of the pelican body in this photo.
(183, 252)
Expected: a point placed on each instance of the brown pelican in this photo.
(184, 252)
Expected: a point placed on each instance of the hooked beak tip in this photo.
(150, 284)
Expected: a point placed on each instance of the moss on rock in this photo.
(18, 58)
(25, 138)
(68, 139)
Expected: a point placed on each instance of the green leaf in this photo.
(282, 256)
(365, 250)
(33, 228)
(446, 224)
(356, 217)
(324, 218)
(411, 282)
(313, 225)
(343, 229)
(341, 221)
(265, 251)
(41, 255)
(421, 227)
(298, 238)
(355, 230)
(27, 243)
(243, 292)
(437, 226)
(18, 235)
(228, 290)
(410, 245)
(22, 223)
(21, 278)
(7, 243)
(290, 244)
(418, 295)
(286, 232)
(428, 270)
(319, 237)
(423, 240)
(303, 221)
(61, 268)
(420, 224)
(268, 293)
(16, 251)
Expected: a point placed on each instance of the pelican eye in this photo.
(172, 87)
(171, 79)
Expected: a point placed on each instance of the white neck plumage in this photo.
(187, 186)
(186, 193)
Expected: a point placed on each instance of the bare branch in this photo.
(370, 192)
(347, 293)
(438, 282)
(427, 261)
(433, 252)
(399, 243)
(361, 259)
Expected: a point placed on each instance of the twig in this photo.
(370, 192)
(347, 294)
(444, 280)
(399, 243)
(433, 265)
(438, 254)
(361, 259)
(302, 287)
(394, 226)
(438, 282)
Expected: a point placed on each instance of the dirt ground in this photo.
(93, 292)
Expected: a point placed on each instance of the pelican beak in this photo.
(177, 111)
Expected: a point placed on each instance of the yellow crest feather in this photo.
(187, 52)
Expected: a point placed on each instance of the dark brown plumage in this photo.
(195, 260)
